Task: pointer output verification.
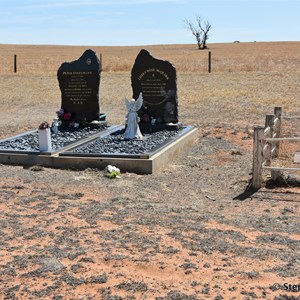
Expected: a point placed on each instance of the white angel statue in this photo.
(133, 106)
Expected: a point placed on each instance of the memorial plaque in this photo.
(79, 84)
(156, 79)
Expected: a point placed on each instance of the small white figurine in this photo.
(133, 106)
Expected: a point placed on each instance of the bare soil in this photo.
(193, 230)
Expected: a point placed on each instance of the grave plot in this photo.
(114, 145)
(28, 142)
(80, 137)
(146, 162)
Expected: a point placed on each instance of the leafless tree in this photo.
(200, 31)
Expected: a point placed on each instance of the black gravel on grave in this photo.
(30, 141)
(115, 143)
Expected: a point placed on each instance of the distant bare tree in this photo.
(200, 31)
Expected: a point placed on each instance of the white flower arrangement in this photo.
(112, 172)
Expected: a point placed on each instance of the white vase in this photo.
(45, 140)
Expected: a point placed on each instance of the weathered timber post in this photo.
(15, 63)
(258, 145)
(277, 129)
(209, 61)
(276, 134)
(268, 133)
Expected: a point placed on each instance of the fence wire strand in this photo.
(290, 127)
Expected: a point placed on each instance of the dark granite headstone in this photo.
(156, 79)
(79, 84)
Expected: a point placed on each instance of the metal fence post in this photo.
(209, 61)
(15, 63)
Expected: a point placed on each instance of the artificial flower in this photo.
(67, 116)
(60, 112)
(112, 172)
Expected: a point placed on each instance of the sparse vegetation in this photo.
(171, 235)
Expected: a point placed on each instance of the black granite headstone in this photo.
(156, 79)
(79, 84)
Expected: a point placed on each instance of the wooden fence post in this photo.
(268, 132)
(277, 126)
(15, 63)
(209, 61)
(258, 145)
(276, 134)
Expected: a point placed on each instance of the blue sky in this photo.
(145, 22)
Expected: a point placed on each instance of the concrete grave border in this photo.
(62, 160)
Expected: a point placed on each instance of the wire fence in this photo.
(290, 143)
(205, 62)
(17, 64)
(276, 147)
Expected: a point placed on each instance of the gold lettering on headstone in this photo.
(153, 70)
(153, 83)
(77, 89)
(78, 73)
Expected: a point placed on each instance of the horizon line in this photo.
(141, 45)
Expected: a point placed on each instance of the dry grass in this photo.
(227, 100)
(234, 57)
(222, 98)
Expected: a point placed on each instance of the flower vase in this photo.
(44, 140)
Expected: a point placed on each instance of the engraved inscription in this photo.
(156, 80)
(79, 84)
(77, 89)
(153, 84)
